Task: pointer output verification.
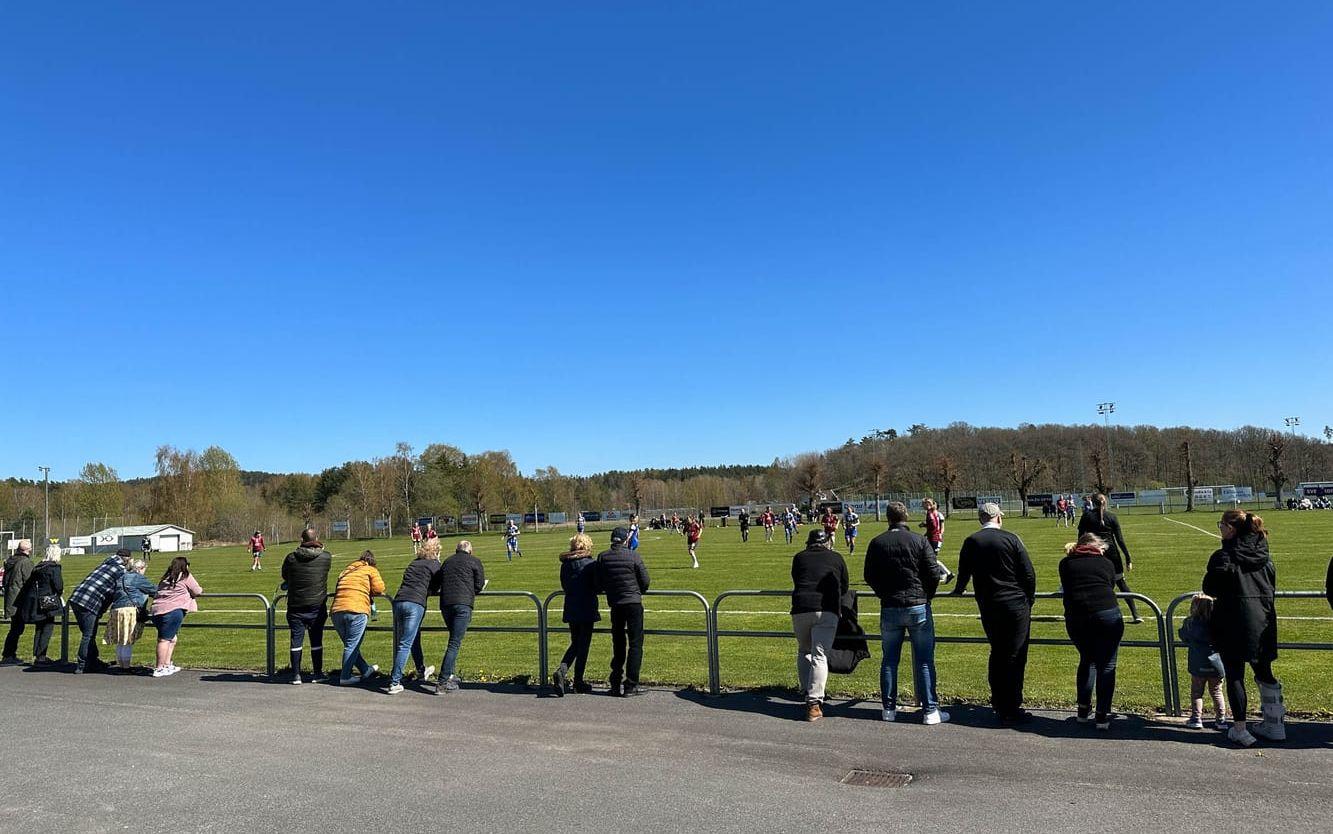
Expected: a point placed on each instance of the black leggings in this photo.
(1124, 586)
(580, 640)
(1263, 673)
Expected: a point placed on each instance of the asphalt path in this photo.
(204, 751)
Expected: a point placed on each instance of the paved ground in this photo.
(225, 752)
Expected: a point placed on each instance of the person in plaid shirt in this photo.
(89, 601)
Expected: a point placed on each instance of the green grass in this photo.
(1168, 559)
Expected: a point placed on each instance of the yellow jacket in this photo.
(356, 585)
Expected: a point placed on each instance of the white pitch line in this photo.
(1191, 526)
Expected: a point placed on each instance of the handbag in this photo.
(46, 603)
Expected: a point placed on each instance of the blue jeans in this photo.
(352, 629)
(456, 619)
(87, 621)
(919, 626)
(407, 617)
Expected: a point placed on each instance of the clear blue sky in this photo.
(602, 236)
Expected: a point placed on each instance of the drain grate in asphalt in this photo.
(876, 779)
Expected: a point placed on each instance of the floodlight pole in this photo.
(1292, 423)
(46, 476)
(1106, 410)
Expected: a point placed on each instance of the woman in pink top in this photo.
(175, 595)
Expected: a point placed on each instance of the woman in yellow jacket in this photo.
(358, 585)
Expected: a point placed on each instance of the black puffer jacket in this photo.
(621, 575)
(901, 568)
(306, 572)
(1242, 578)
(461, 578)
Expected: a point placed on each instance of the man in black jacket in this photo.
(461, 578)
(902, 571)
(1006, 586)
(305, 576)
(623, 577)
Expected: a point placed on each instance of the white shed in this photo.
(162, 538)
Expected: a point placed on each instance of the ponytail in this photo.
(1245, 522)
(1099, 501)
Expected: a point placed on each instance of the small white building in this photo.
(162, 538)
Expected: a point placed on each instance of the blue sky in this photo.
(611, 237)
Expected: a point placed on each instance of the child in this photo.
(1205, 664)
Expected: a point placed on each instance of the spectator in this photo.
(125, 624)
(744, 520)
(355, 592)
(37, 604)
(902, 571)
(1205, 664)
(176, 595)
(819, 580)
(1006, 586)
(421, 579)
(305, 578)
(18, 567)
(623, 577)
(89, 601)
(1094, 623)
(461, 578)
(578, 579)
(1241, 578)
(1105, 526)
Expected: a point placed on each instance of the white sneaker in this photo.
(428, 674)
(173, 668)
(935, 716)
(1195, 722)
(889, 714)
(395, 688)
(162, 671)
(296, 680)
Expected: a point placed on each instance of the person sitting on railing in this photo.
(124, 626)
(353, 595)
(305, 578)
(1095, 624)
(421, 580)
(1006, 587)
(176, 595)
(89, 600)
(462, 577)
(1205, 664)
(623, 577)
(1241, 578)
(902, 571)
(819, 581)
(580, 611)
(38, 604)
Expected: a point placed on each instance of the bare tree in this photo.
(1099, 471)
(1277, 444)
(1187, 458)
(946, 476)
(1023, 473)
(403, 457)
(809, 477)
(878, 469)
(637, 484)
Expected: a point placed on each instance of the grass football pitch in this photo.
(1170, 553)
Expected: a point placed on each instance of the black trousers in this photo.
(626, 627)
(40, 642)
(1007, 625)
(580, 641)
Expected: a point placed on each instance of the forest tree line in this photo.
(209, 493)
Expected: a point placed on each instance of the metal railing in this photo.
(707, 632)
(1173, 672)
(1160, 644)
(539, 629)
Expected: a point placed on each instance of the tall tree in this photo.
(878, 468)
(1277, 445)
(1023, 473)
(1099, 471)
(97, 491)
(1187, 460)
(946, 478)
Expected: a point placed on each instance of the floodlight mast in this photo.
(46, 477)
(1106, 410)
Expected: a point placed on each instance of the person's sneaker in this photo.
(614, 690)
(172, 668)
(813, 711)
(349, 681)
(935, 716)
(372, 674)
(10, 660)
(1195, 722)
(1240, 735)
(428, 673)
(395, 688)
(452, 684)
(41, 660)
(633, 689)
(78, 670)
(296, 679)
(1137, 621)
(1103, 722)
(1222, 724)
(889, 714)
(1084, 715)
(162, 671)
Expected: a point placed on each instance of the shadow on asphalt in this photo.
(1300, 735)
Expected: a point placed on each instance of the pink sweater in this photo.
(180, 595)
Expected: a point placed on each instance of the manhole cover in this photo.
(876, 779)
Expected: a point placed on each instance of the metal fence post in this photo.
(64, 632)
(271, 642)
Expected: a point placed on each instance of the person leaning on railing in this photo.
(176, 595)
(623, 577)
(462, 577)
(124, 625)
(1095, 624)
(305, 578)
(421, 579)
(89, 600)
(358, 585)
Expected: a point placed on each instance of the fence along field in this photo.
(1169, 557)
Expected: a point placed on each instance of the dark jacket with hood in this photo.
(306, 572)
(621, 573)
(18, 567)
(578, 578)
(46, 579)
(818, 580)
(1241, 577)
(461, 578)
(901, 568)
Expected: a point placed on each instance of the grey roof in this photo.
(139, 530)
